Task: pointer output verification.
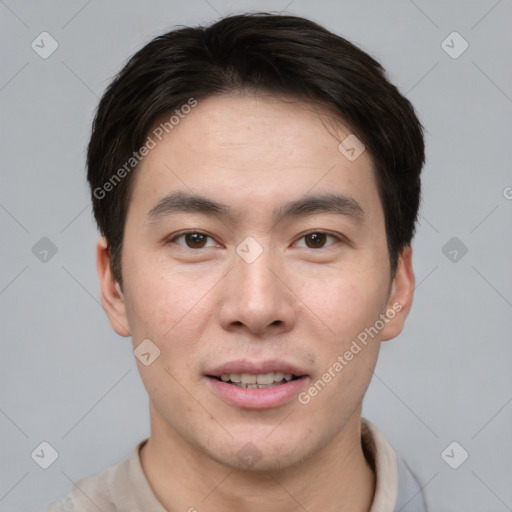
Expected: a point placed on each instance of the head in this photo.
(256, 184)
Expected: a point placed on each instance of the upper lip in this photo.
(255, 368)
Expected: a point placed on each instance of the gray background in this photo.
(68, 379)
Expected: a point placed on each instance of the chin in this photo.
(263, 451)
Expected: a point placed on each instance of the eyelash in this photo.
(338, 238)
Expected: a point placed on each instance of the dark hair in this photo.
(277, 54)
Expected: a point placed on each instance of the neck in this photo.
(336, 478)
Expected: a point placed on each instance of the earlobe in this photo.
(401, 296)
(112, 297)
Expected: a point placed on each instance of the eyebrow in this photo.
(180, 202)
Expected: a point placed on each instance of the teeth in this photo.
(265, 378)
(250, 381)
(247, 378)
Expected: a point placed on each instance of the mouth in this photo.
(256, 381)
(256, 385)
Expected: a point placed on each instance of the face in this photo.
(255, 260)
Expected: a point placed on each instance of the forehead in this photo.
(245, 122)
(253, 148)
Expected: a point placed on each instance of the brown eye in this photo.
(195, 240)
(315, 240)
(318, 240)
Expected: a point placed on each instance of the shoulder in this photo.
(105, 491)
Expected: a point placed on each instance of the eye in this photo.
(317, 239)
(192, 239)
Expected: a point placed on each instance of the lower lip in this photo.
(260, 398)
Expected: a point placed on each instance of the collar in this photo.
(383, 461)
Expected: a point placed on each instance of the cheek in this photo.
(348, 354)
(346, 303)
(171, 310)
(356, 303)
(160, 300)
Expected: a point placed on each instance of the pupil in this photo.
(317, 239)
(195, 239)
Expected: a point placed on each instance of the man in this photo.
(256, 184)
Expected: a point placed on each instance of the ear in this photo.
(401, 295)
(112, 297)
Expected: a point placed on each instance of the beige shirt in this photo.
(123, 487)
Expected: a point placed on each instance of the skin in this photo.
(297, 302)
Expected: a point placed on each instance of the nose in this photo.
(257, 297)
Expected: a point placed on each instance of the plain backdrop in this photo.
(67, 379)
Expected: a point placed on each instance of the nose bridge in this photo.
(253, 262)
